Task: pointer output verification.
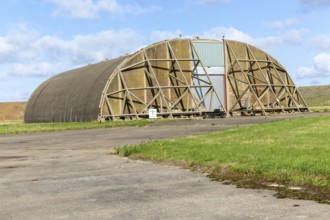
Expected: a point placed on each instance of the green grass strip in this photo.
(320, 108)
(16, 128)
(295, 151)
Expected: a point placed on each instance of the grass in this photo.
(293, 152)
(16, 128)
(12, 111)
(320, 108)
(316, 95)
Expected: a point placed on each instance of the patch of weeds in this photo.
(127, 150)
(320, 194)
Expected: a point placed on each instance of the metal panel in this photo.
(212, 57)
(217, 77)
(211, 53)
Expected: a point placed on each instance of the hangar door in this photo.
(211, 55)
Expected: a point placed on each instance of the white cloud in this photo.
(305, 72)
(5, 47)
(322, 63)
(320, 69)
(90, 9)
(24, 52)
(15, 43)
(26, 69)
(90, 48)
(229, 33)
(290, 37)
(157, 36)
(281, 24)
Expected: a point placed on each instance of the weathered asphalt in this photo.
(72, 175)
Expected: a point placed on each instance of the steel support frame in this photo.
(287, 97)
(168, 107)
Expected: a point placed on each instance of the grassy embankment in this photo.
(16, 128)
(284, 154)
(12, 111)
(317, 97)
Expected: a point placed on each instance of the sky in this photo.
(41, 38)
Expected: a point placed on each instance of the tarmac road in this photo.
(72, 175)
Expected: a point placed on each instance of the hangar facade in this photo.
(178, 78)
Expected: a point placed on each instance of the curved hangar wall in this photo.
(178, 77)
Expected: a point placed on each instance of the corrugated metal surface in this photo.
(211, 53)
(212, 56)
(71, 96)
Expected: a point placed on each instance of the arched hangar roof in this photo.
(73, 95)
